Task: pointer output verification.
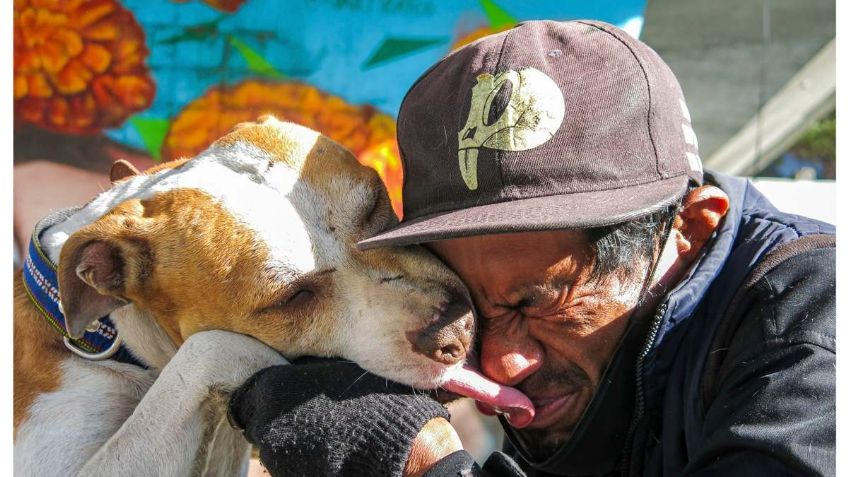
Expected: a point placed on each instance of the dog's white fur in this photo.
(110, 418)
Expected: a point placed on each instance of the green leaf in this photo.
(255, 62)
(152, 132)
(498, 17)
(201, 32)
(393, 48)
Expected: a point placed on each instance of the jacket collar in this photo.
(683, 300)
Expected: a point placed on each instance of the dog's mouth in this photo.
(469, 382)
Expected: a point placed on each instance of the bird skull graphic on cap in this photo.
(532, 115)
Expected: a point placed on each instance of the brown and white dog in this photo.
(256, 236)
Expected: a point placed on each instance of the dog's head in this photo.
(258, 235)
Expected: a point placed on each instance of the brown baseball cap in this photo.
(549, 125)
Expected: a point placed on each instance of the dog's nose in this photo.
(447, 339)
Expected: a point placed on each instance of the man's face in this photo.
(547, 328)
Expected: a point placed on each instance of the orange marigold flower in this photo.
(385, 159)
(367, 132)
(79, 65)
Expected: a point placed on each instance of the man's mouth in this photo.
(549, 411)
(491, 396)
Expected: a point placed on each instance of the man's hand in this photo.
(330, 417)
(437, 440)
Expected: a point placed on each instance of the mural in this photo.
(165, 78)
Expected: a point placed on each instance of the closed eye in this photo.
(378, 200)
(373, 208)
(299, 297)
(299, 292)
(391, 279)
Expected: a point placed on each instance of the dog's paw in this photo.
(223, 360)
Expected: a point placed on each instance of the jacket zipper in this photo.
(640, 392)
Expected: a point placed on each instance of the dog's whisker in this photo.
(353, 383)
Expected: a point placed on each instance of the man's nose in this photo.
(448, 338)
(509, 359)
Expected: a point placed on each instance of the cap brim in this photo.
(555, 212)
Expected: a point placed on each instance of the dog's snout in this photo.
(454, 309)
(448, 338)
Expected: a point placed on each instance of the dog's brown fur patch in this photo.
(38, 353)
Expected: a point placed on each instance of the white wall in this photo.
(816, 199)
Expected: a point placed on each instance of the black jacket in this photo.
(737, 373)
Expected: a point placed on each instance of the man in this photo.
(661, 320)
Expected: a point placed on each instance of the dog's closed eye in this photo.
(298, 297)
(370, 212)
(292, 299)
(299, 292)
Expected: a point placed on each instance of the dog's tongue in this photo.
(468, 382)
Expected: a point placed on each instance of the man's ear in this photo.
(121, 169)
(91, 281)
(700, 216)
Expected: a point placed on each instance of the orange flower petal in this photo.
(127, 55)
(21, 87)
(83, 111)
(57, 111)
(92, 12)
(66, 5)
(134, 92)
(26, 17)
(38, 86)
(74, 78)
(128, 65)
(27, 62)
(126, 47)
(53, 58)
(69, 41)
(102, 31)
(101, 89)
(45, 17)
(73, 5)
(96, 57)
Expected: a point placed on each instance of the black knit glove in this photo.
(327, 417)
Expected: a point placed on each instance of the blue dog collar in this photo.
(101, 339)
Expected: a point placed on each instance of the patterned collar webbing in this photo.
(41, 284)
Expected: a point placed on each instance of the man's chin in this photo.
(543, 443)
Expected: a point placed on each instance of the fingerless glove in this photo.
(328, 417)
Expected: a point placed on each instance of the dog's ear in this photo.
(122, 169)
(91, 281)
